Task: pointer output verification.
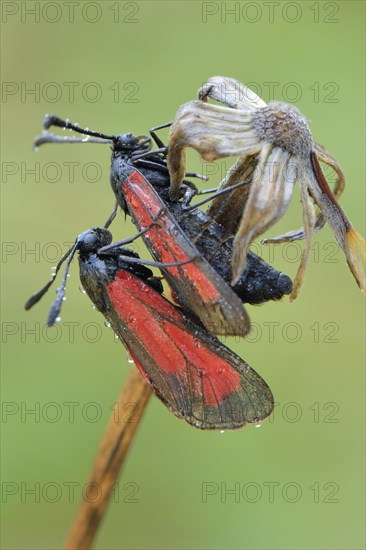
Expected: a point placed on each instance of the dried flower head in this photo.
(275, 148)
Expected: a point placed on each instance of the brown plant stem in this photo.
(112, 452)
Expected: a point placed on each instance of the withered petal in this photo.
(351, 242)
(227, 210)
(298, 234)
(269, 197)
(230, 92)
(356, 256)
(328, 159)
(214, 131)
(309, 221)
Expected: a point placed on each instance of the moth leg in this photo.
(196, 175)
(129, 240)
(155, 137)
(189, 192)
(111, 216)
(137, 156)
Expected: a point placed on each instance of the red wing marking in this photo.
(218, 378)
(196, 376)
(140, 308)
(197, 285)
(146, 205)
(161, 328)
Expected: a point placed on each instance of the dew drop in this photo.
(58, 319)
(64, 298)
(107, 324)
(93, 306)
(222, 431)
(258, 425)
(129, 358)
(53, 271)
(82, 289)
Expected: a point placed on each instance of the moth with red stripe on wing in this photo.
(174, 233)
(197, 377)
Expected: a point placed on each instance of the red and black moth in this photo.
(197, 377)
(176, 235)
(259, 283)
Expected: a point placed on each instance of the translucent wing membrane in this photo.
(197, 377)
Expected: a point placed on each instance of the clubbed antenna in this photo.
(60, 292)
(47, 137)
(52, 120)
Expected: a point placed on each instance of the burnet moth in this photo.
(197, 286)
(197, 377)
(259, 283)
(140, 181)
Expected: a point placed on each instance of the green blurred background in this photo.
(298, 480)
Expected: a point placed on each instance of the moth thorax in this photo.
(283, 126)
